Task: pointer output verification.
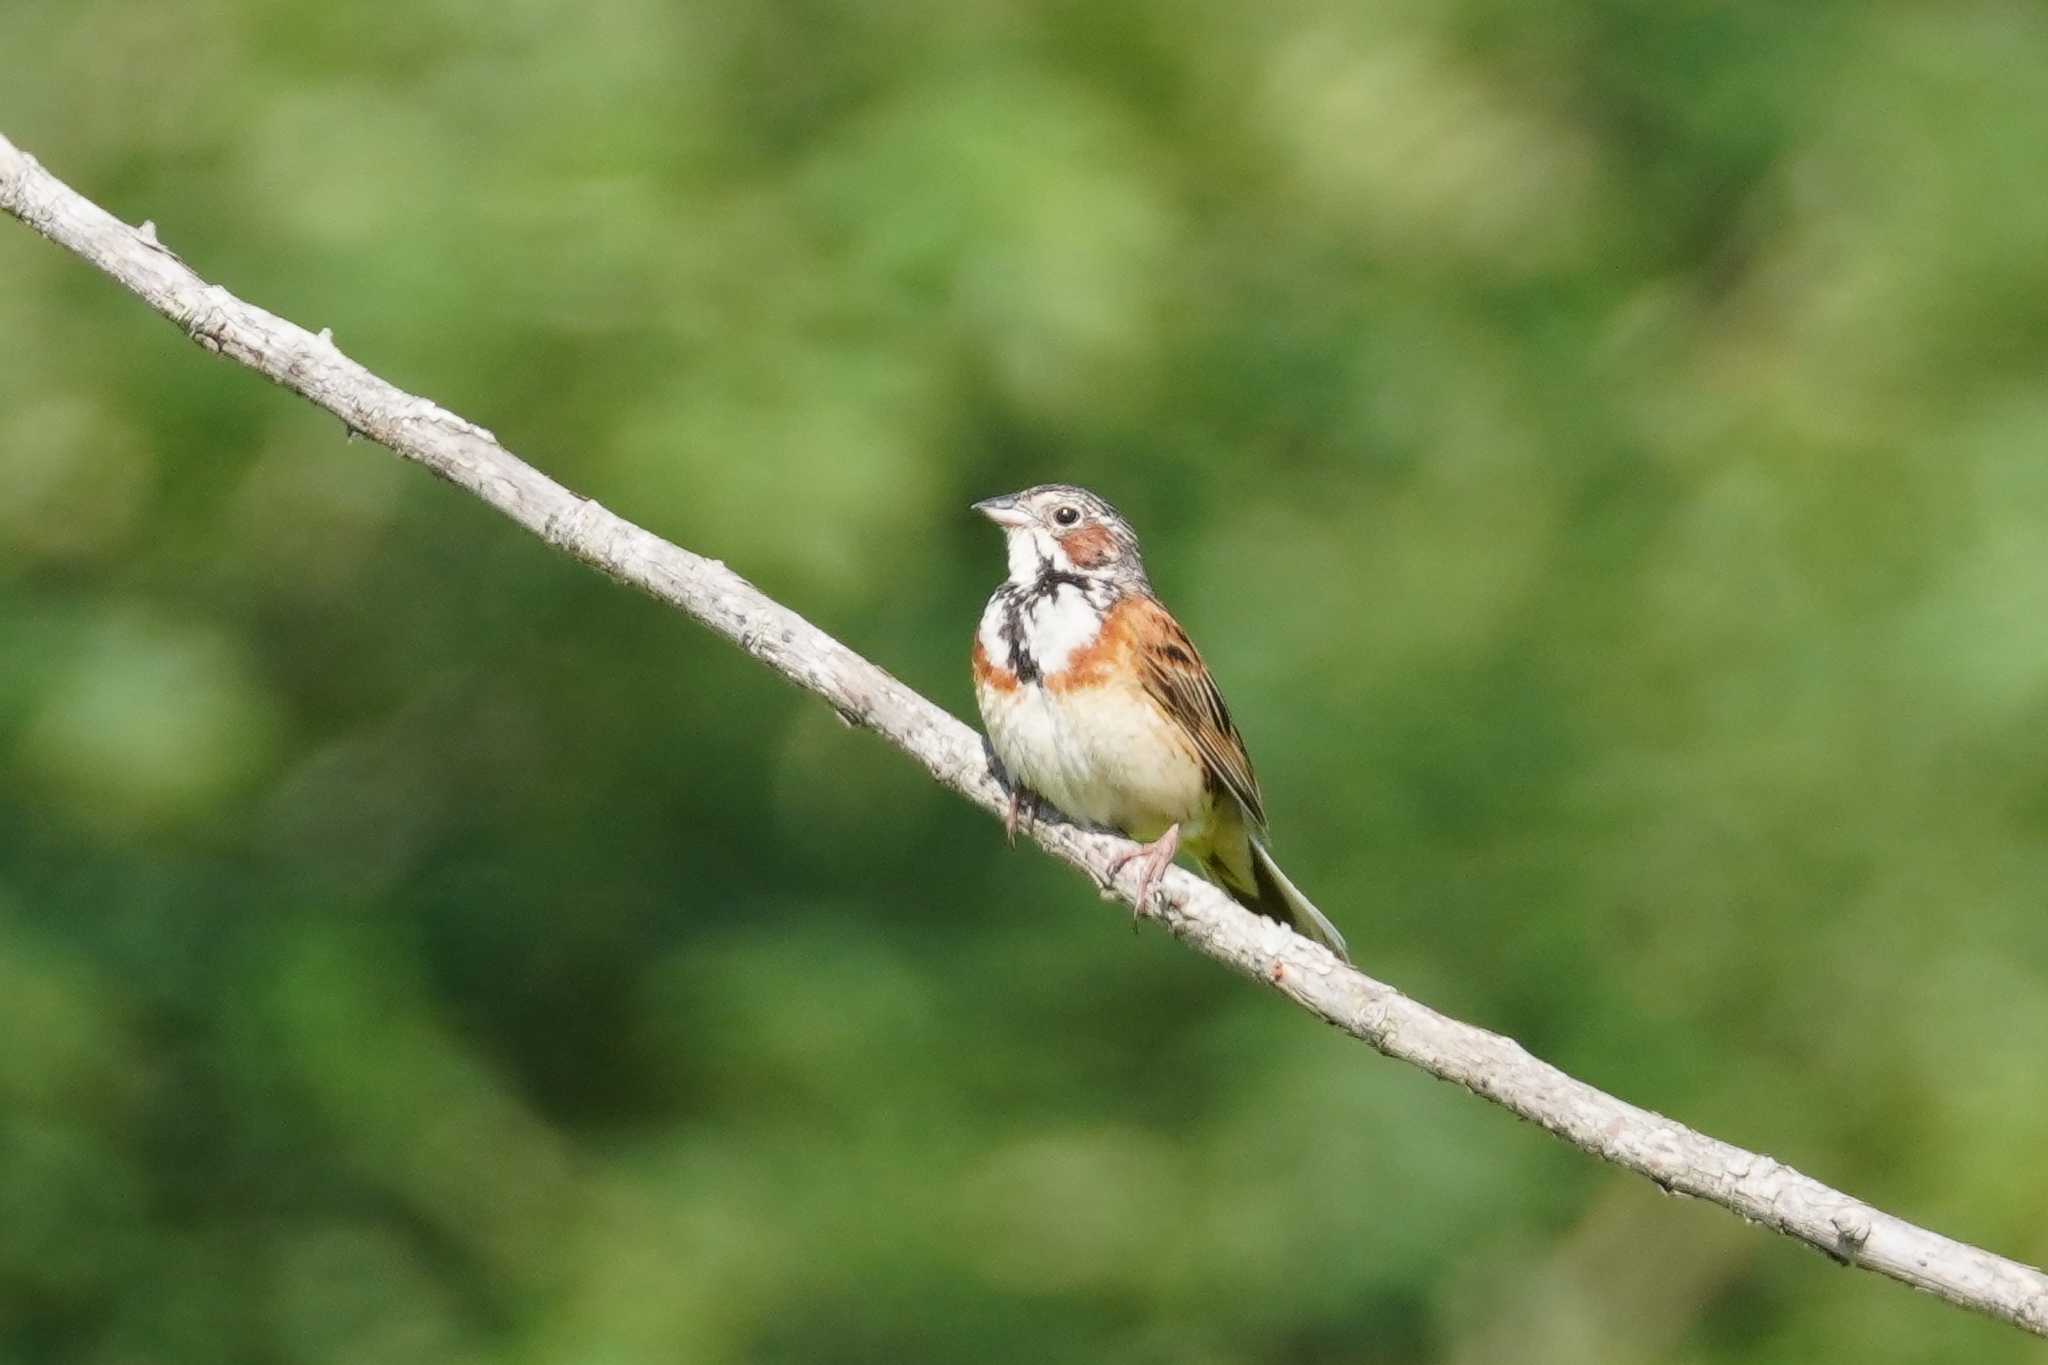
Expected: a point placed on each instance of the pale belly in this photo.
(1102, 756)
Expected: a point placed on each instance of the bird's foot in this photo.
(1152, 859)
(1021, 813)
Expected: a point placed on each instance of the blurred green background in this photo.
(1600, 445)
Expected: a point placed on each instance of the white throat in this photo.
(1029, 550)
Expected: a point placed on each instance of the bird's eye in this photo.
(1067, 516)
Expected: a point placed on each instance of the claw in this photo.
(1153, 859)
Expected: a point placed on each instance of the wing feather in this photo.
(1179, 681)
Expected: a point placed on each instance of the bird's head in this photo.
(1058, 528)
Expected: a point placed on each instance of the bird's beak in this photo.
(1003, 511)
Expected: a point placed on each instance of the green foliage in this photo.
(1599, 445)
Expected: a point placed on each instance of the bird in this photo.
(1097, 703)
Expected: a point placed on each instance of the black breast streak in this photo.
(1046, 587)
(1021, 662)
(1020, 599)
(1051, 580)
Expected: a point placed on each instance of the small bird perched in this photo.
(1096, 701)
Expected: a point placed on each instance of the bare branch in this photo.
(1678, 1159)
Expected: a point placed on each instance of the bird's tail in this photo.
(1277, 898)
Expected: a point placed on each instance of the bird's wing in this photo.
(1176, 678)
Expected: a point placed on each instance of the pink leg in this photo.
(1022, 810)
(1153, 859)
